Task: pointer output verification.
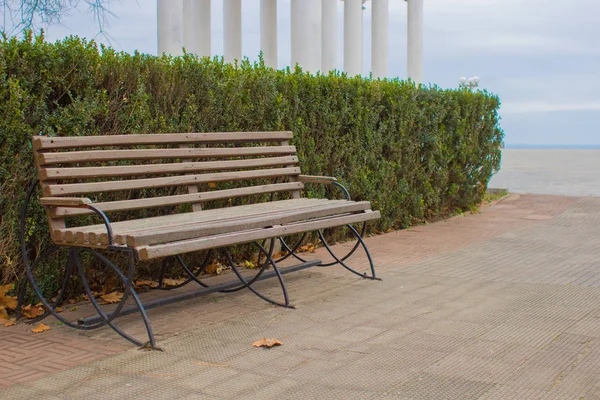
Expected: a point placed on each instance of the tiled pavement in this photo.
(504, 304)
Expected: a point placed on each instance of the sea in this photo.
(558, 170)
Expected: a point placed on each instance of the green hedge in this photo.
(414, 152)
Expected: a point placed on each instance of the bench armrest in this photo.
(80, 202)
(65, 201)
(325, 180)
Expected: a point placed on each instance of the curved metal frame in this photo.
(74, 261)
(292, 251)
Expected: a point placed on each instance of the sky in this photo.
(541, 57)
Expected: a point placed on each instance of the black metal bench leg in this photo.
(129, 290)
(342, 262)
(248, 283)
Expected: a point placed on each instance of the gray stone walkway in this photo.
(499, 305)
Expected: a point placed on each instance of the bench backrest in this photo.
(90, 165)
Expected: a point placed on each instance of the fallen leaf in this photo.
(142, 283)
(3, 313)
(215, 267)
(173, 282)
(279, 254)
(74, 309)
(268, 343)
(249, 264)
(310, 248)
(30, 311)
(40, 328)
(10, 322)
(9, 302)
(212, 185)
(113, 297)
(59, 309)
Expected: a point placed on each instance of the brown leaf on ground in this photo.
(3, 313)
(268, 343)
(40, 328)
(59, 309)
(31, 311)
(212, 185)
(279, 254)
(145, 283)
(10, 302)
(215, 267)
(10, 322)
(113, 297)
(310, 248)
(173, 282)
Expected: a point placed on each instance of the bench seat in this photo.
(180, 233)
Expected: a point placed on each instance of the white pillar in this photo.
(306, 34)
(353, 37)
(170, 27)
(232, 30)
(196, 27)
(415, 40)
(268, 31)
(329, 32)
(380, 38)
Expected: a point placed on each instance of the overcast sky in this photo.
(542, 57)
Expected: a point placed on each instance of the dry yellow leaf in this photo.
(268, 343)
(40, 328)
(3, 313)
(249, 264)
(173, 282)
(30, 311)
(279, 254)
(215, 267)
(142, 283)
(308, 248)
(10, 302)
(212, 185)
(10, 322)
(113, 297)
(59, 309)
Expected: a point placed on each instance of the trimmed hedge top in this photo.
(414, 151)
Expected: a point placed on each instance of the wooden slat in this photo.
(45, 142)
(64, 201)
(239, 213)
(170, 168)
(98, 233)
(186, 246)
(168, 201)
(326, 180)
(171, 234)
(203, 216)
(182, 180)
(158, 154)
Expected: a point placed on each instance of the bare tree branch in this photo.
(27, 14)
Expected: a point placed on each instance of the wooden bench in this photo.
(136, 172)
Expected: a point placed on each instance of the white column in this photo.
(380, 38)
(196, 27)
(306, 34)
(232, 30)
(353, 37)
(268, 31)
(415, 40)
(170, 27)
(329, 32)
